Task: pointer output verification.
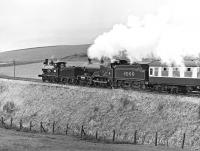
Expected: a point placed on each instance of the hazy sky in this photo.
(32, 23)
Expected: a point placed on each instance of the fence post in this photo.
(82, 130)
(156, 139)
(20, 124)
(14, 68)
(11, 122)
(2, 121)
(30, 127)
(53, 129)
(113, 136)
(135, 137)
(183, 142)
(41, 128)
(96, 136)
(67, 129)
(167, 142)
(199, 112)
(143, 138)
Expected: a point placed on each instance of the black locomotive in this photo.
(122, 74)
(117, 74)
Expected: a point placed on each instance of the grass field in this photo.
(27, 71)
(20, 141)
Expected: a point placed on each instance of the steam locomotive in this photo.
(122, 74)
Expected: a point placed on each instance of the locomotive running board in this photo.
(99, 81)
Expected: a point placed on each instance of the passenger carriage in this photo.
(175, 79)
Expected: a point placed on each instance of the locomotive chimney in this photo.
(102, 61)
(89, 61)
(46, 61)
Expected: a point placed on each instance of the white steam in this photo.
(170, 34)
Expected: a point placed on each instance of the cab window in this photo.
(151, 71)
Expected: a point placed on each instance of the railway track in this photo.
(192, 94)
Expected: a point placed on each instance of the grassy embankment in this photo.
(104, 110)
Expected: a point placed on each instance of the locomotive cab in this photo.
(119, 62)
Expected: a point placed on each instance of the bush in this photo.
(127, 104)
(125, 101)
(9, 107)
(160, 106)
(2, 88)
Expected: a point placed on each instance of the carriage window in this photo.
(188, 72)
(151, 71)
(165, 72)
(188, 69)
(156, 71)
(198, 72)
(165, 69)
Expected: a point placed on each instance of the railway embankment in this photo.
(104, 110)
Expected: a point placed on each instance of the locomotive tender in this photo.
(121, 74)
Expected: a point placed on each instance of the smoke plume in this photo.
(170, 34)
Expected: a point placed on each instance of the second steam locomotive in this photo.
(122, 74)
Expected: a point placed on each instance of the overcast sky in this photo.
(32, 23)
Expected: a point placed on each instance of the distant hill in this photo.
(40, 53)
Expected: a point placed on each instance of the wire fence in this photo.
(137, 136)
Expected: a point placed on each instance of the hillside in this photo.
(104, 110)
(40, 53)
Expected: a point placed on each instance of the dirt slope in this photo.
(104, 110)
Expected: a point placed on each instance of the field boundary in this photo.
(80, 131)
